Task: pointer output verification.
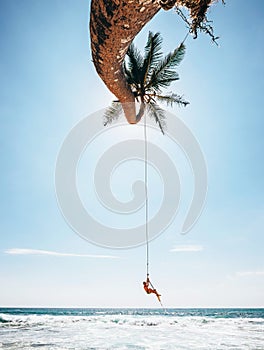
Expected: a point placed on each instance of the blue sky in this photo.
(48, 84)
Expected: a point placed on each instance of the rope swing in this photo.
(146, 193)
(148, 282)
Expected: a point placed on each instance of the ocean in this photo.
(141, 329)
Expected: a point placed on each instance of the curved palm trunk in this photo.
(113, 26)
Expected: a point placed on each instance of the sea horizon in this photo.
(135, 307)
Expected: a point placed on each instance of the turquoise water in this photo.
(76, 328)
(212, 313)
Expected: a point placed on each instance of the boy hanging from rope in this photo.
(150, 290)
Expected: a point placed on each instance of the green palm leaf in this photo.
(147, 75)
(171, 99)
(165, 73)
(129, 77)
(152, 55)
(134, 64)
(158, 114)
(112, 113)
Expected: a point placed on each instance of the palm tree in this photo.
(113, 26)
(147, 75)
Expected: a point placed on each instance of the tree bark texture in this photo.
(113, 26)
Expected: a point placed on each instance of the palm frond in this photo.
(129, 77)
(165, 73)
(156, 84)
(112, 113)
(158, 114)
(171, 99)
(134, 63)
(152, 55)
(146, 75)
(175, 57)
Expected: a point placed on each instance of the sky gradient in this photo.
(48, 84)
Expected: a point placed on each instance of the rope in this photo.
(146, 192)
(146, 200)
(186, 36)
(146, 181)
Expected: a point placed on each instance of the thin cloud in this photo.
(187, 248)
(20, 251)
(250, 273)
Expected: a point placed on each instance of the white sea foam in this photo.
(104, 331)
